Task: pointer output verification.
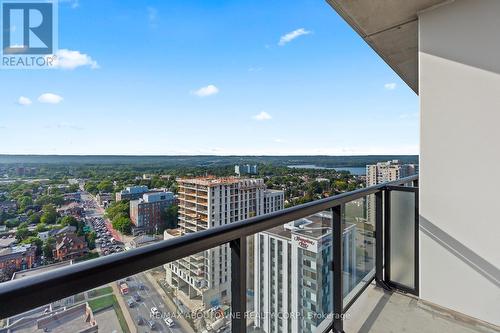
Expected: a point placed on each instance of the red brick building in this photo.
(17, 258)
(70, 246)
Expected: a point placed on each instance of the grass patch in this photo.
(102, 302)
(100, 292)
(108, 301)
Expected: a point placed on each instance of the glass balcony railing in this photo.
(295, 270)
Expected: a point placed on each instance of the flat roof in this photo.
(390, 27)
(40, 270)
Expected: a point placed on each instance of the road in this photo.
(149, 299)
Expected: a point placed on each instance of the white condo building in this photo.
(385, 172)
(292, 276)
(211, 202)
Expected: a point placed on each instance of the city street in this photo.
(149, 298)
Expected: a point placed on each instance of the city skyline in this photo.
(299, 82)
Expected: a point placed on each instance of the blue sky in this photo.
(207, 77)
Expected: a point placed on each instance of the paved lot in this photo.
(107, 321)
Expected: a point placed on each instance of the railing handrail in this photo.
(17, 296)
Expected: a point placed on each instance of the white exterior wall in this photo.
(459, 59)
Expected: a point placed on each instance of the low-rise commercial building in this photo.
(17, 258)
(131, 193)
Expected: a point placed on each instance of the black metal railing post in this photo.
(338, 295)
(238, 284)
(387, 234)
(379, 238)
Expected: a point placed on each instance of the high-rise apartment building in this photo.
(293, 278)
(211, 202)
(246, 169)
(385, 172)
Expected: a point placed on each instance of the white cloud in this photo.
(390, 86)
(68, 59)
(262, 116)
(206, 91)
(292, 35)
(24, 101)
(278, 140)
(50, 98)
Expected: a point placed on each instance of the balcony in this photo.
(364, 244)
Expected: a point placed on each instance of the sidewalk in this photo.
(170, 305)
(126, 314)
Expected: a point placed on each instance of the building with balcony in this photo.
(207, 203)
(383, 172)
(292, 268)
(146, 213)
(430, 259)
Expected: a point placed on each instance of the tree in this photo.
(49, 215)
(24, 202)
(170, 216)
(118, 208)
(69, 220)
(105, 186)
(91, 187)
(122, 224)
(47, 247)
(34, 218)
(33, 240)
(41, 227)
(90, 238)
(23, 233)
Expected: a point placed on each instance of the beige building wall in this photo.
(459, 60)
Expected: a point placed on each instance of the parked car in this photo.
(151, 324)
(169, 322)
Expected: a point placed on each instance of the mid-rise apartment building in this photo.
(385, 172)
(146, 213)
(211, 202)
(292, 274)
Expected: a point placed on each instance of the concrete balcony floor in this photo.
(380, 311)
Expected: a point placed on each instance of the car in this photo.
(130, 302)
(169, 322)
(154, 311)
(151, 324)
(136, 297)
(141, 287)
(139, 320)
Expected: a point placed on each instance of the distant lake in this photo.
(359, 171)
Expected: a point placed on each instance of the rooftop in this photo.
(39, 270)
(76, 319)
